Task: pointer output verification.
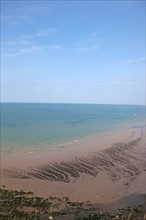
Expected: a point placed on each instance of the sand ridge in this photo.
(122, 163)
(117, 161)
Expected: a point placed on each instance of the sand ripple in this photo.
(118, 162)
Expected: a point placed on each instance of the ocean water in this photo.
(39, 126)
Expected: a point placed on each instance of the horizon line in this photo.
(75, 103)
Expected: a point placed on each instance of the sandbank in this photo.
(99, 169)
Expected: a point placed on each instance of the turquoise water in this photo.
(41, 125)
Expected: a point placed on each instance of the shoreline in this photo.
(68, 150)
(22, 150)
(114, 162)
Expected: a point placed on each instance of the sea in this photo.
(42, 126)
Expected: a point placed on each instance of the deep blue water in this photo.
(40, 125)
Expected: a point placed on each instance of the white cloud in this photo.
(135, 60)
(26, 39)
(38, 48)
(15, 18)
(25, 42)
(56, 47)
(26, 48)
(93, 37)
(30, 49)
(13, 52)
(29, 8)
(32, 8)
(46, 32)
(18, 15)
(89, 43)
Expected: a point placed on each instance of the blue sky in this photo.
(73, 51)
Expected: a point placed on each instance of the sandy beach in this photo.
(100, 169)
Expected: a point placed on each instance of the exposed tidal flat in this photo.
(102, 162)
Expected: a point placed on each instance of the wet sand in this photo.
(98, 169)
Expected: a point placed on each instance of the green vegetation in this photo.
(19, 205)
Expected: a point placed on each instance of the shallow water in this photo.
(37, 125)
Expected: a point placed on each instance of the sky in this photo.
(73, 51)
